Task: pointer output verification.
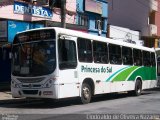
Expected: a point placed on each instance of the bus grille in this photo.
(31, 80)
(34, 86)
(30, 92)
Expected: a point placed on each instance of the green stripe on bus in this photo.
(124, 74)
(110, 78)
(146, 73)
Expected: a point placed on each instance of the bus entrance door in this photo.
(68, 86)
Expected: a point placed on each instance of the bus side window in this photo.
(84, 50)
(115, 54)
(153, 60)
(137, 56)
(127, 56)
(100, 52)
(146, 58)
(67, 54)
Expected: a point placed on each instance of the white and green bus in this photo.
(158, 65)
(59, 63)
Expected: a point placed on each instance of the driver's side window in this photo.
(67, 54)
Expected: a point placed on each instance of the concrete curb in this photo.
(6, 97)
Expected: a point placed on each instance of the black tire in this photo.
(138, 89)
(86, 93)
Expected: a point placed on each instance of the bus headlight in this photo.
(14, 84)
(47, 84)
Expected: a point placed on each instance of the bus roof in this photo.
(92, 37)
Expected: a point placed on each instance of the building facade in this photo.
(82, 15)
(137, 15)
(94, 15)
(157, 21)
(20, 15)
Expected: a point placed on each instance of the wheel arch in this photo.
(139, 78)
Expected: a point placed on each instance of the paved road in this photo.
(147, 103)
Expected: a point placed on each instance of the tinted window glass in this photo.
(153, 61)
(67, 54)
(84, 50)
(115, 54)
(137, 56)
(127, 56)
(100, 52)
(146, 58)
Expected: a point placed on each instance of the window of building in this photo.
(146, 58)
(99, 23)
(137, 57)
(127, 56)
(55, 3)
(100, 52)
(102, 23)
(3, 31)
(28, 1)
(36, 2)
(67, 54)
(84, 50)
(152, 17)
(115, 54)
(82, 20)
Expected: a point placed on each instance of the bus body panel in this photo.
(68, 84)
(107, 78)
(39, 87)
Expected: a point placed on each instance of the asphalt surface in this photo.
(111, 106)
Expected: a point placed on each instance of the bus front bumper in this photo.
(35, 93)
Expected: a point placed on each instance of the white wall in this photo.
(124, 34)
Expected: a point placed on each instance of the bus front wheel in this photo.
(86, 93)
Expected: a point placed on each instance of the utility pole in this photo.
(63, 13)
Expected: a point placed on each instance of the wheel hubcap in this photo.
(139, 89)
(86, 93)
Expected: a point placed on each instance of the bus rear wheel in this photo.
(138, 88)
(86, 93)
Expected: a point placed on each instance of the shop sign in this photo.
(23, 8)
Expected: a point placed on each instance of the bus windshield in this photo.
(34, 57)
